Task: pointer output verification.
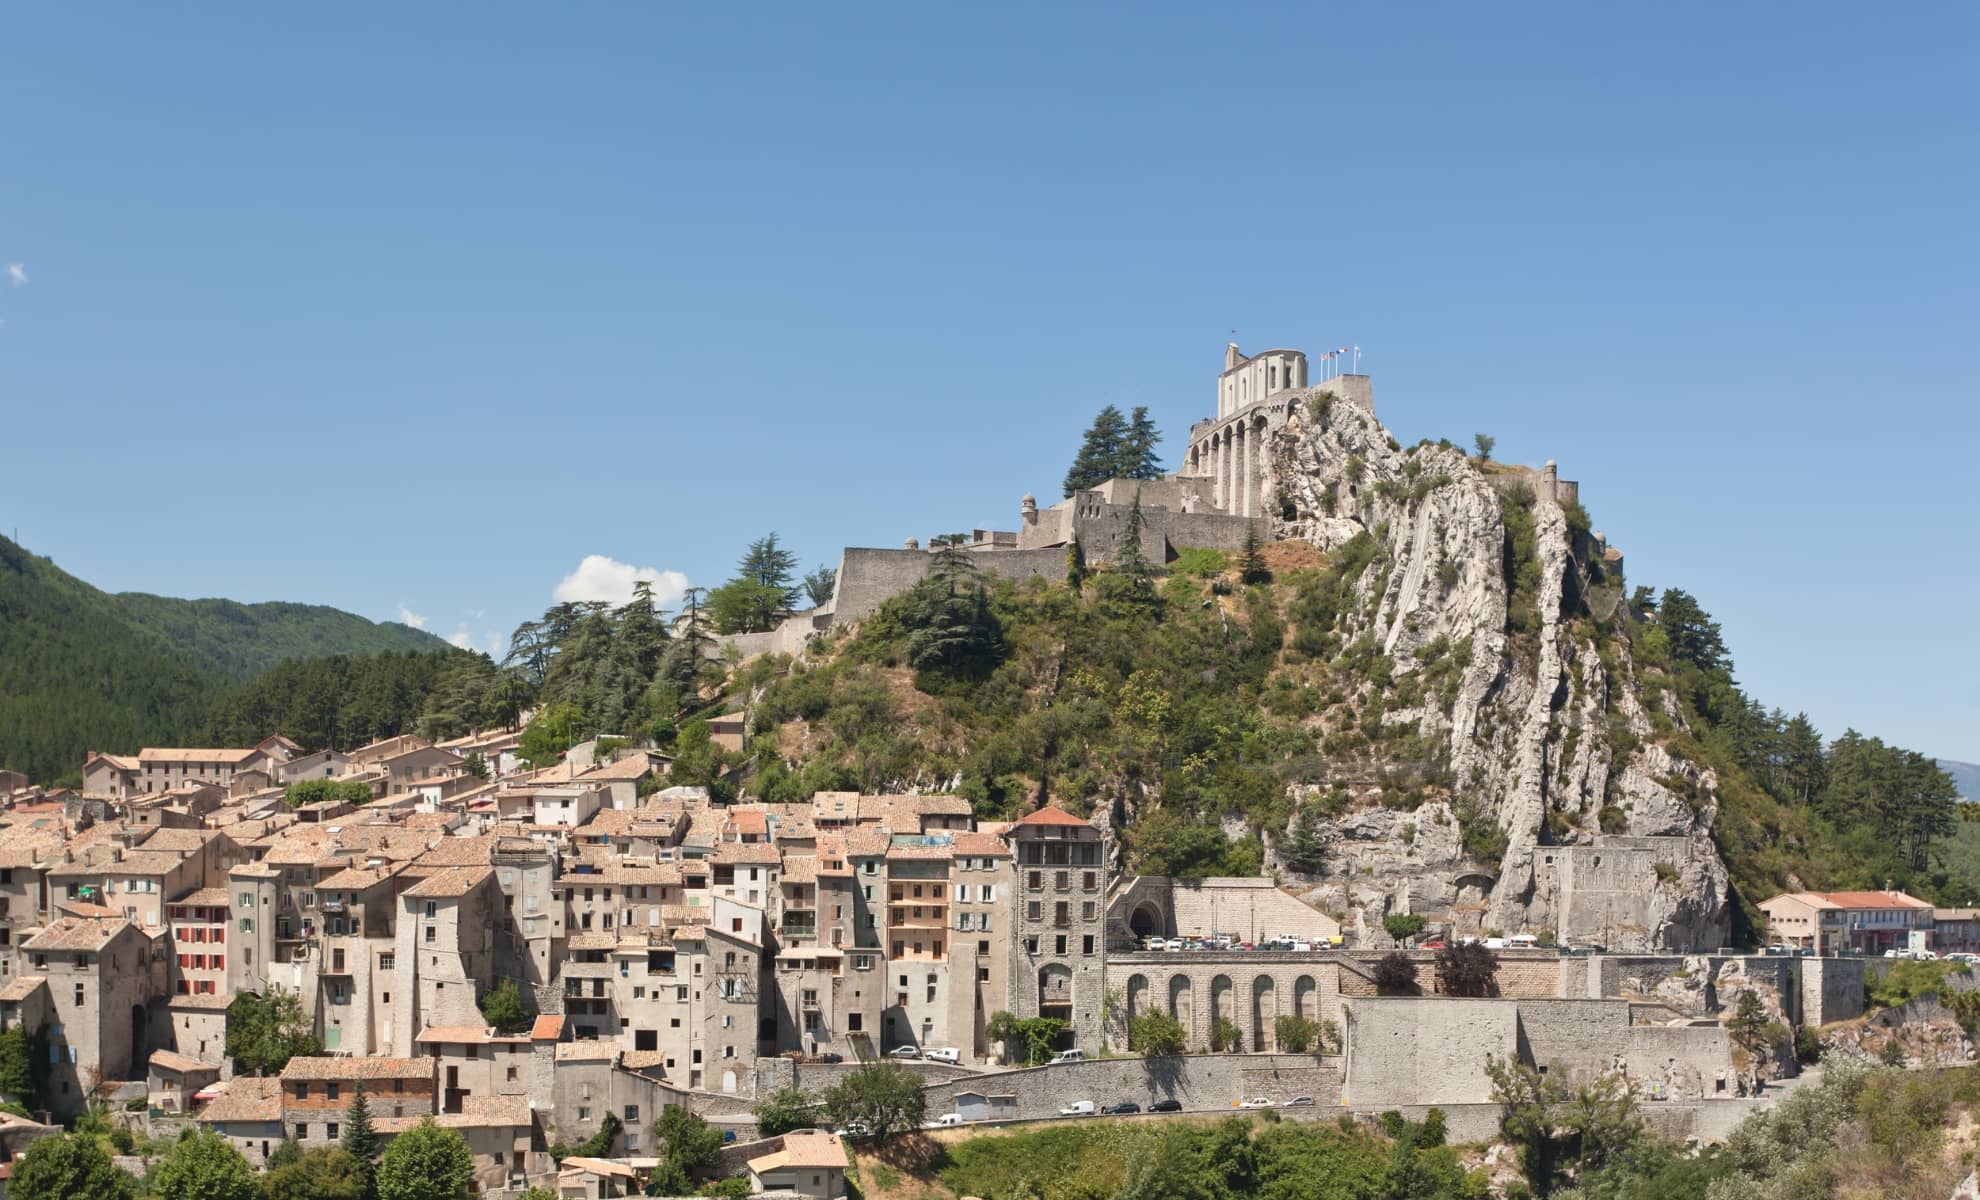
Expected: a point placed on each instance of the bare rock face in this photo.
(1924, 1031)
(1549, 764)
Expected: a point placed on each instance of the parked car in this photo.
(1299, 1102)
(1124, 1108)
(945, 1121)
(1165, 1106)
(1066, 1056)
(1156, 943)
(1434, 944)
(1522, 941)
(855, 1129)
(944, 1054)
(904, 1052)
(1079, 1108)
(1256, 1102)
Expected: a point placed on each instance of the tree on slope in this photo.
(425, 1162)
(1100, 452)
(68, 1167)
(202, 1165)
(1137, 459)
(361, 1141)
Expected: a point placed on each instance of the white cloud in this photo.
(408, 617)
(601, 578)
(17, 273)
(463, 637)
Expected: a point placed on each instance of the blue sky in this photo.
(416, 307)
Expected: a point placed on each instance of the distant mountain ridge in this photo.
(1965, 775)
(82, 669)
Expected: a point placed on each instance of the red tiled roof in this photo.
(1050, 815)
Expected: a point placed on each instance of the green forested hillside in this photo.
(242, 640)
(81, 669)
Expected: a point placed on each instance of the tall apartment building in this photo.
(1058, 954)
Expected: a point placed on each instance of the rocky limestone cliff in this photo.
(1546, 731)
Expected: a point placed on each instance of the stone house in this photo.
(809, 1163)
(99, 976)
(1855, 922)
(174, 1079)
(248, 1113)
(1058, 952)
(444, 958)
(317, 1091)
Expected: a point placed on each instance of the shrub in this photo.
(1467, 969)
(1157, 1034)
(1403, 926)
(1395, 974)
(1225, 1034)
(1296, 1034)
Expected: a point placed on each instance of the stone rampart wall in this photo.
(869, 577)
(1199, 1081)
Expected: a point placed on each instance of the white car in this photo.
(1079, 1108)
(1156, 943)
(944, 1054)
(1068, 1056)
(945, 1121)
(855, 1130)
(1256, 1102)
(904, 1052)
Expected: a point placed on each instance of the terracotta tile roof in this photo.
(21, 988)
(358, 879)
(981, 845)
(77, 933)
(212, 897)
(458, 852)
(487, 1112)
(632, 766)
(800, 868)
(943, 850)
(185, 841)
(246, 1098)
(593, 940)
(1051, 815)
(745, 853)
(452, 882)
(168, 1061)
(748, 822)
(206, 1003)
(475, 1035)
(807, 1149)
(157, 755)
(548, 1028)
(641, 1060)
(866, 843)
(835, 806)
(1875, 900)
(590, 1051)
(325, 1067)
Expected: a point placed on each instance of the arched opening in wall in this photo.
(1473, 887)
(729, 1081)
(1223, 1000)
(1055, 997)
(1146, 920)
(1264, 1013)
(1182, 1004)
(1306, 998)
(1137, 996)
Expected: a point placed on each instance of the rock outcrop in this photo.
(1542, 795)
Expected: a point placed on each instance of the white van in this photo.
(1068, 1056)
(1522, 941)
(946, 1054)
(1078, 1108)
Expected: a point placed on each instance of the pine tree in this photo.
(1306, 848)
(1138, 459)
(1251, 560)
(1129, 559)
(1075, 565)
(361, 1142)
(1099, 457)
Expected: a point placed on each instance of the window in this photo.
(330, 1130)
(1036, 880)
(1035, 910)
(432, 908)
(1086, 944)
(431, 934)
(81, 999)
(332, 1092)
(632, 1114)
(1061, 940)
